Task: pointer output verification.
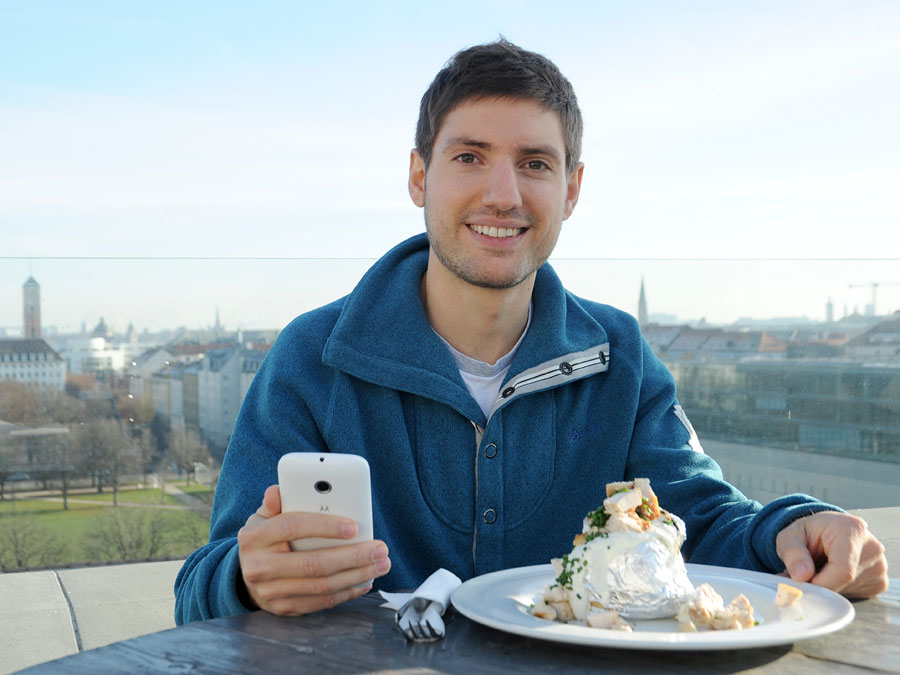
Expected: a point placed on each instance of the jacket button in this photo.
(490, 516)
(490, 451)
(508, 392)
(565, 368)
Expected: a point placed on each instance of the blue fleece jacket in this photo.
(585, 403)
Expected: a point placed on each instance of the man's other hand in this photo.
(289, 583)
(834, 550)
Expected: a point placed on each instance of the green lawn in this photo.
(194, 488)
(199, 491)
(147, 496)
(39, 506)
(70, 534)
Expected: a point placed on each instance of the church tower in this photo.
(643, 318)
(31, 305)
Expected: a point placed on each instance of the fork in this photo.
(420, 621)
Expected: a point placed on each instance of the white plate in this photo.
(501, 600)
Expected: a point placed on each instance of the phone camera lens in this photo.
(323, 487)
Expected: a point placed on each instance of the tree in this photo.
(17, 402)
(31, 406)
(159, 433)
(185, 449)
(79, 382)
(127, 534)
(130, 412)
(25, 542)
(102, 446)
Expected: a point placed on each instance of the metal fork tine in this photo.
(428, 630)
(416, 623)
(409, 623)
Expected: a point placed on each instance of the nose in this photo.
(501, 190)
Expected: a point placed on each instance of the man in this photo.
(492, 405)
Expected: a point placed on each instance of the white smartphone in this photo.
(331, 483)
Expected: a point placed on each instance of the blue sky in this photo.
(280, 129)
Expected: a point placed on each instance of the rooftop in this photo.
(21, 346)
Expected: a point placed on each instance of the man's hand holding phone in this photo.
(287, 582)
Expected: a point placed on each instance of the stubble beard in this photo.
(469, 271)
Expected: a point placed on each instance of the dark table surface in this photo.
(360, 637)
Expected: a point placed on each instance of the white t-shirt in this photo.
(482, 379)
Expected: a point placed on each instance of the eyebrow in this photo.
(465, 141)
(456, 141)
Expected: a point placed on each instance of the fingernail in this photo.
(382, 566)
(379, 552)
(348, 529)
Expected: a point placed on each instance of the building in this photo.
(151, 380)
(222, 381)
(167, 395)
(704, 344)
(190, 396)
(804, 388)
(32, 362)
(93, 356)
(880, 343)
(33, 453)
(643, 317)
(831, 405)
(98, 354)
(140, 377)
(31, 309)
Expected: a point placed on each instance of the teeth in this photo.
(498, 232)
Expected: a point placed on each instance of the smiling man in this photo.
(492, 405)
(495, 191)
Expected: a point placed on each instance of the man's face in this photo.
(497, 190)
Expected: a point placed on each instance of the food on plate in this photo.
(787, 595)
(626, 564)
(626, 560)
(704, 608)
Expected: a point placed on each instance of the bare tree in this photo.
(104, 447)
(127, 534)
(17, 402)
(25, 543)
(30, 406)
(196, 531)
(186, 448)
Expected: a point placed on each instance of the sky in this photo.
(159, 160)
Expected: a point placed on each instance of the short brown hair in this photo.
(499, 69)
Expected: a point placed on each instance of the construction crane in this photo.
(874, 286)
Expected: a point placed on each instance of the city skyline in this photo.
(723, 132)
(280, 289)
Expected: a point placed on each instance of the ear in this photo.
(573, 189)
(416, 178)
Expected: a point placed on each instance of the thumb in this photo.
(793, 550)
(271, 505)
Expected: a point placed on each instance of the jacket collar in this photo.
(382, 335)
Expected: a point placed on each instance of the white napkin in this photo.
(436, 589)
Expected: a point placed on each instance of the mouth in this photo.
(496, 232)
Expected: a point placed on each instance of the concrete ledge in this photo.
(35, 622)
(123, 601)
(50, 614)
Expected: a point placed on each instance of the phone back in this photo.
(330, 483)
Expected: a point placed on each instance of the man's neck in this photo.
(482, 323)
